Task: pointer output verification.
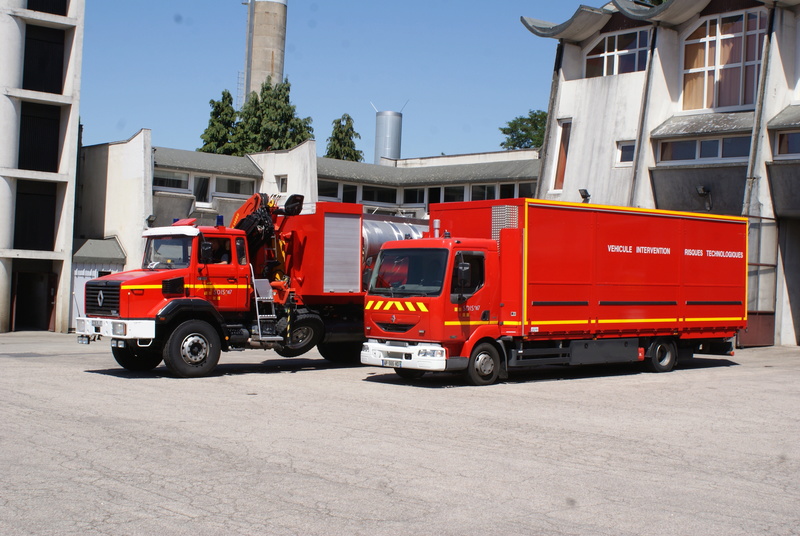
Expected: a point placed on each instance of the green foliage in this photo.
(219, 133)
(267, 121)
(525, 132)
(342, 144)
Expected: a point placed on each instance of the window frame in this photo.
(698, 146)
(710, 93)
(639, 52)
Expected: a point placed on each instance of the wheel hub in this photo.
(194, 349)
(484, 364)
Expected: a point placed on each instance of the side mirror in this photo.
(293, 205)
(464, 274)
(206, 256)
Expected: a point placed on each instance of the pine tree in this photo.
(218, 136)
(274, 125)
(342, 144)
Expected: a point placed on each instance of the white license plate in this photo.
(97, 323)
(395, 363)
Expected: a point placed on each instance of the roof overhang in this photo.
(584, 23)
(787, 119)
(669, 13)
(682, 126)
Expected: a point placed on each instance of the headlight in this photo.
(432, 352)
(118, 328)
(80, 325)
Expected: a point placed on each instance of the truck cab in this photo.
(428, 303)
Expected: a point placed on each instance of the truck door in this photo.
(468, 295)
(227, 275)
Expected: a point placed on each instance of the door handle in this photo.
(231, 280)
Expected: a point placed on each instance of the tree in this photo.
(218, 136)
(268, 121)
(525, 132)
(342, 144)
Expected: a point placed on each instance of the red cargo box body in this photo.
(577, 270)
(323, 253)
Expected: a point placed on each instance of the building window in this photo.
(328, 189)
(234, 186)
(174, 180)
(735, 147)
(201, 187)
(413, 196)
(376, 194)
(526, 190)
(722, 60)
(482, 192)
(788, 143)
(625, 151)
(618, 54)
(563, 149)
(453, 194)
(349, 193)
(282, 182)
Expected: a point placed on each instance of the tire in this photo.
(305, 332)
(192, 349)
(484, 365)
(341, 352)
(136, 359)
(661, 356)
(409, 374)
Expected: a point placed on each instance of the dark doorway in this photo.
(32, 300)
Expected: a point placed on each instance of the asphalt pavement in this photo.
(269, 445)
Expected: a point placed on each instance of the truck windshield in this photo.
(167, 252)
(409, 272)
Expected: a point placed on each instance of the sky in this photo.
(458, 70)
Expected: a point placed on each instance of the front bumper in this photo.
(400, 354)
(90, 329)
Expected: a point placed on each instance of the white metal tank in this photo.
(388, 131)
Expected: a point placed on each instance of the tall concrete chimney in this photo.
(266, 43)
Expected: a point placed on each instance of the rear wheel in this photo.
(341, 352)
(305, 332)
(135, 358)
(192, 350)
(484, 364)
(662, 355)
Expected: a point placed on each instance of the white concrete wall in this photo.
(117, 193)
(298, 165)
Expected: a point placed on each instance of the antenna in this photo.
(373, 106)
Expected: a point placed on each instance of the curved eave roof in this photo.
(584, 23)
(670, 13)
(220, 164)
(588, 20)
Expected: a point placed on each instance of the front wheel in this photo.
(409, 374)
(484, 364)
(136, 359)
(662, 356)
(192, 350)
(305, 332)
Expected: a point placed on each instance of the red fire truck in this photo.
(504, 285)
(274, 279)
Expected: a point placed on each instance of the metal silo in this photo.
(388, 130)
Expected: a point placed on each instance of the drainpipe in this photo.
(541, 188)
(640, 134)
(755, 137)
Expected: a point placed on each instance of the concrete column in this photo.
(8, 192)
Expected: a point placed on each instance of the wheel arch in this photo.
(178, 311)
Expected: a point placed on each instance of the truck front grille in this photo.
(102, 298)
(394, 328)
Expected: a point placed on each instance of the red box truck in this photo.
(504, 285)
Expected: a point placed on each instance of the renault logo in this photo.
(393, 319)
(100, 299)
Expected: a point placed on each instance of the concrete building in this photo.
(266, 43)
(694, 106)
(41, 45)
